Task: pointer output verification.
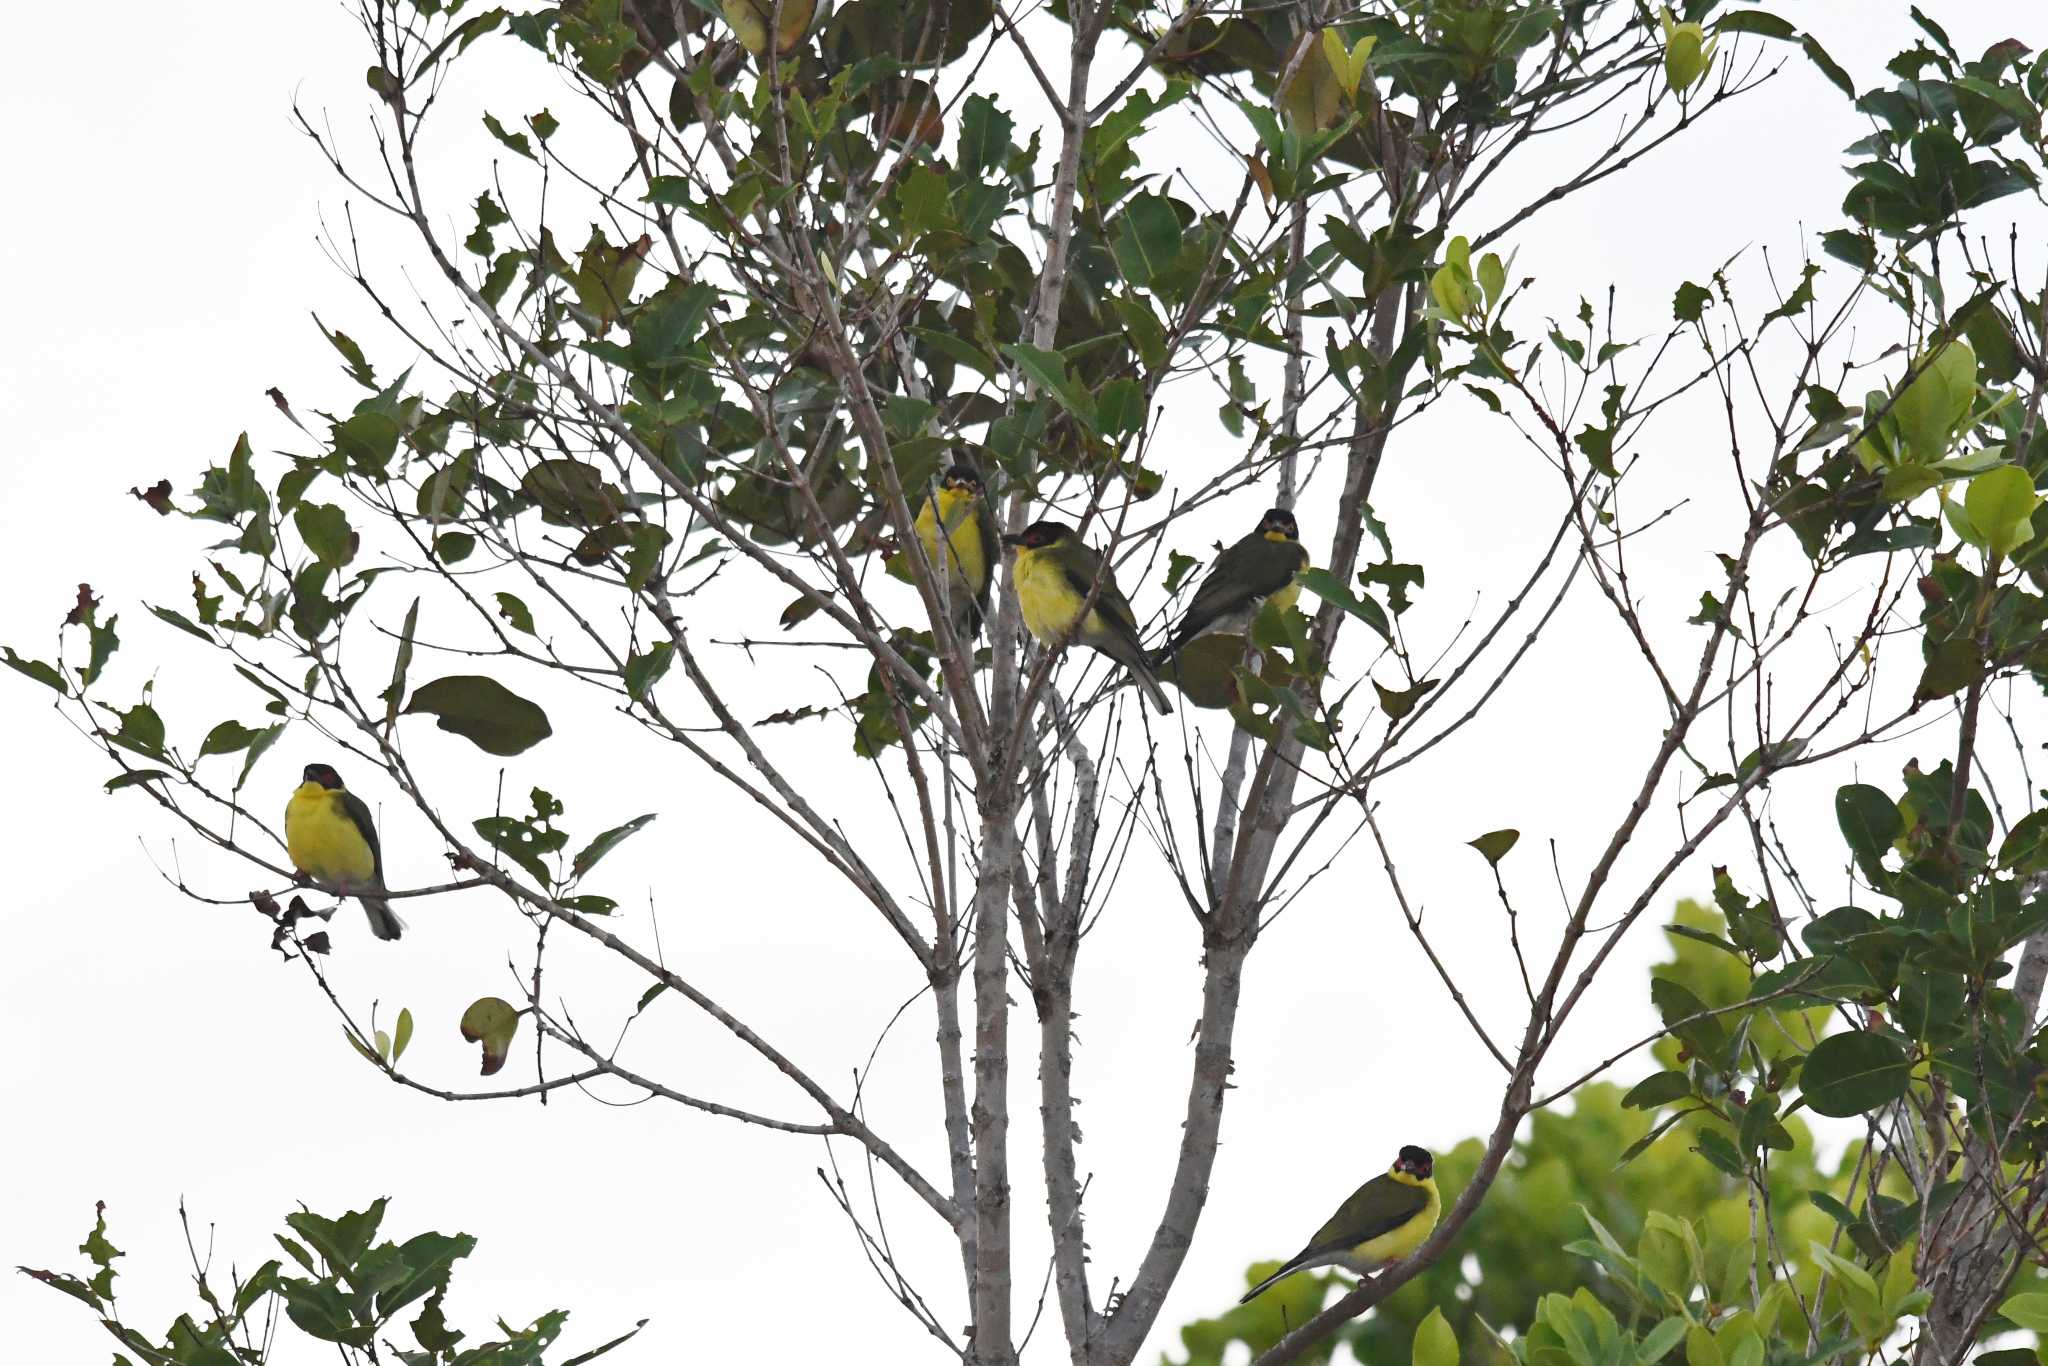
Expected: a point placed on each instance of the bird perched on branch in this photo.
(331, 839)
(1384, 1220)
(1257, 570)
(966, 560)
(1055, 573)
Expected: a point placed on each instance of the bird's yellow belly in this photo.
(1395, 1244)
(1288, 596)
(963, 556)
(324, 843)
(1048, 599)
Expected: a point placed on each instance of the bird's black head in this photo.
(963, 477)
(323, 775)
(1415, 1161)
(1039, 535)
(1280, 524)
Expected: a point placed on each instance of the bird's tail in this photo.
(384, 922)
(1282, 1274)
(1123, 647)
(966, 621)
(1149, 685)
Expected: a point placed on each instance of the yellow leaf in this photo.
(1340, 61)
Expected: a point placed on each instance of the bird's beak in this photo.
(1014, 540)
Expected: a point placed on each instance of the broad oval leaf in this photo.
(1435, 1343)
(484, 712)
(1659, 1088)
(2001, 505)
(1851, 1074)
(2029, 1310)
(1870, 821)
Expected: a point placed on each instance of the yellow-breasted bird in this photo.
(1055, 572)
(967, 559)
(331, 839)
(1384, 1220)
(1257, 570)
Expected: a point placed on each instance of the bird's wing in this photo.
(1379, 1206)
(1082, 564)
(359, 812)
(1227, 585)
(1248, 571)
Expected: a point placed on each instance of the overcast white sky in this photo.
(163, 266)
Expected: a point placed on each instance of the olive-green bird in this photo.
(331, 839)
(1257, 570)
(1384, 1220)
(967, 560)
(1055, 572)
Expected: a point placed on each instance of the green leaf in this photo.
(1659, 1341)
(1765, 25)
(258, 746)
(482, 711)
(400, 664)
(1714, 1146)
(515, 613)
(1870, 821)
(1120, 408)
(2001, 503)
(425, 1261)
(36, 669)
(1326, 586)
(325, 530)
(1048, 370)
(402, 1034)
(229, 737)
(1952, 666)
(134, 776)
(2025, 849)
(142, 730)
(924, 198)
(1928, 410)
(2029, 1310)
(984, 134)
(644, 671)
(1659, 1088)
(1149, 238)
(1850, 1074)
(1435, 1342)
(517, 840)
(104, 643)
(516, 141)
(491, 1022)
(1397, 705)
(1828, 66)
(102, 1252)
(1690, 302)
(367, 441)
(358, 369)
(605, 843)
(1494, 845)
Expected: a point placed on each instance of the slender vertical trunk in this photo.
(991, 1345)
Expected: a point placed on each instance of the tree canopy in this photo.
(632, 472)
